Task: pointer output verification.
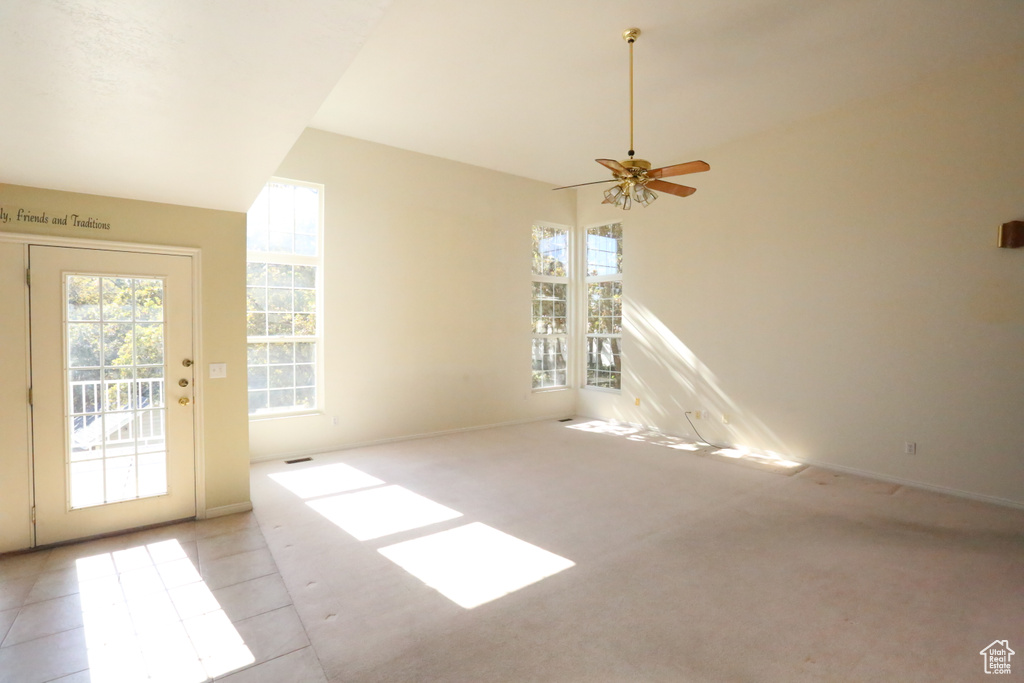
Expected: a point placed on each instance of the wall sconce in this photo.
(1011, 235)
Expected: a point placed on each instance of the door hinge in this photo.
(28, 277)
(30, 397)
(33, 514)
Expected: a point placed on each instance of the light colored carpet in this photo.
(686, 567)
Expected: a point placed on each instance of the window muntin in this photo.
(550, 300)
(114, 335)
(604, 306)
(550, 306)
(283, 296)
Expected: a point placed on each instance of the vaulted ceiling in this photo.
(197, 102)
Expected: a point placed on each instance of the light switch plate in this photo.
(218, 370)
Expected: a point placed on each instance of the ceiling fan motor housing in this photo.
(636, 167)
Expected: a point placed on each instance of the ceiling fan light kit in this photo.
(634, 179)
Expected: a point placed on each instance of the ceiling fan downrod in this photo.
(630, 35)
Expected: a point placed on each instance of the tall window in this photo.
(283, 297)
(604, 306)
(550, 306)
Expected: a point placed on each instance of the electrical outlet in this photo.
(637, 401)
(725, 418)
(910, 448)
(697, 414)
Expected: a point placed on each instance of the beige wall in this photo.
(835, 287)
(221, 237)
(427, 286)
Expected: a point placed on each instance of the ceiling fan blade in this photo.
(671, 188)
(613, 166)
(596, 182)
(678, 169)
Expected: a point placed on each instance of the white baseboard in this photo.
(396, 439)
(867, 474)
(226, 510)
(959, 493)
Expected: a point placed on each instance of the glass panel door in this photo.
(112, 382)
(114, 335)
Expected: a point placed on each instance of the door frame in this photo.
(195, 254)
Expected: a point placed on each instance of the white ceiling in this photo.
(197, 101)
(190, 102)
(539, 88)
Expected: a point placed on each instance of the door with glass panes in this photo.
(112, 394)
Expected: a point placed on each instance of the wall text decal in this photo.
(74, 220)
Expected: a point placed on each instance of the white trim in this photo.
(198, 384)
(225, 510)
(408, 437)
(585, 282)
(100, 245)
(195, 254)
(548, 390)
(30, 441)
(911, 483)
(320, 338)
(959, 493)
(569, 335)
(605, 390)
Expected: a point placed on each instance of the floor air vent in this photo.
(292, 462)
(566, 419)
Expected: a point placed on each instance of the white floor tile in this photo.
(227, 571)
(14, 592)
(55, 584)
(45, 618)
(44, 659)
(273, 634)
(215, 547)
(251, 598)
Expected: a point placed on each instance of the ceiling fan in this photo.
(634, 178)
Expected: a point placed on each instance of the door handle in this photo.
(184, 400)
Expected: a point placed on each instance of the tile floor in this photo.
(195, 601)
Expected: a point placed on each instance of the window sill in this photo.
(604, 390)
(548, 390)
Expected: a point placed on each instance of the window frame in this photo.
(584, 297)
(293, 259)
(570, 318)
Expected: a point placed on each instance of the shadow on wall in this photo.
(674, 381)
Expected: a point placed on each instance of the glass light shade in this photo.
(642, 195)
(614, 195)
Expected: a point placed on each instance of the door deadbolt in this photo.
(187, 363)
(182, 382)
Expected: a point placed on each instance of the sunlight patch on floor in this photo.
(773, 459)
(381, 511)
(324, 480)
(634, 433)
(474, 564)
(148, 615)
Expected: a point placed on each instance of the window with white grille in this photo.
(284, 298)
(604, 306)
(550, 306)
